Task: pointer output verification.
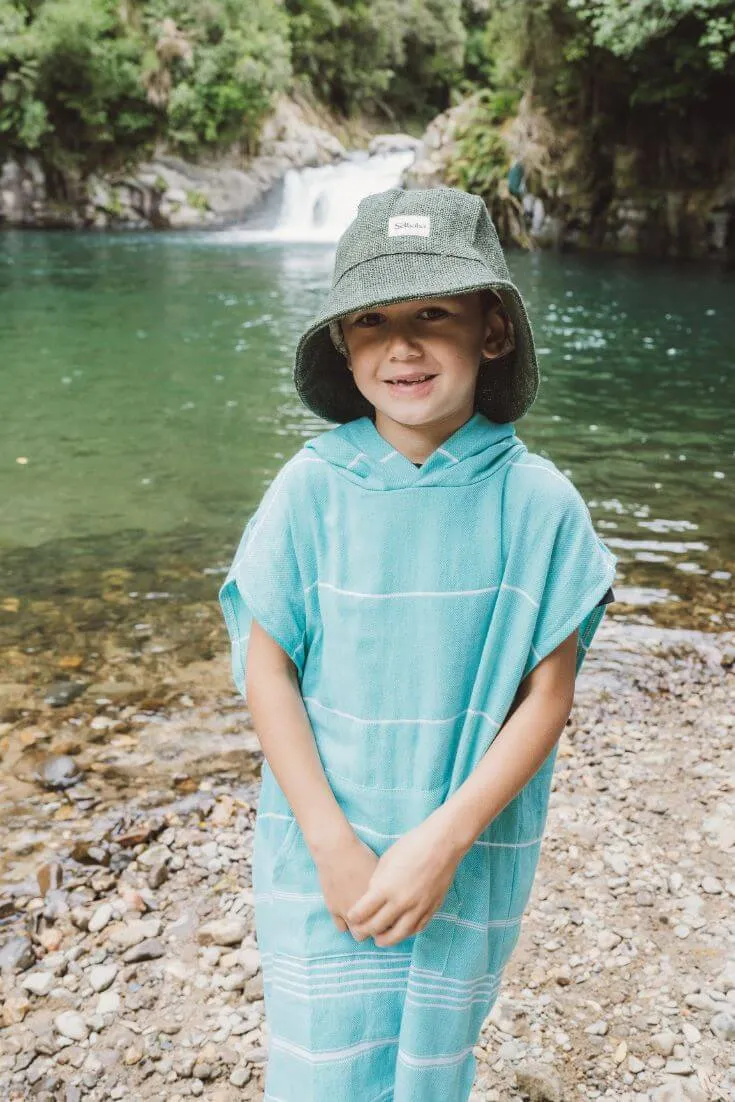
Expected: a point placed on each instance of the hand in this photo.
(408, 885)
(344, 873)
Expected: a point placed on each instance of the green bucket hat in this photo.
(401, 245)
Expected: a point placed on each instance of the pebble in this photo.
(154, 855)
(233, 981)
(102, 976)
(678, 1067)
(240, 1076)
(598, 1028)
(663, 1043)
(723, 1026)
(100, 917)
(150, 949)
(135, 931)
(108, 1003)
(223, 931)
(250, 961)
(539, 1083)
(38, 983)
(64, 692)
(71, 1025)
(17, 954)
(711, 885)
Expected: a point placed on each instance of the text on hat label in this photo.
(401, 225)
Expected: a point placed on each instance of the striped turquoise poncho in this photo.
(413, 601)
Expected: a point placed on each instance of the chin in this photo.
(411, 419)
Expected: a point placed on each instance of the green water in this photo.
(147, 403)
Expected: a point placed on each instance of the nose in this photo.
(402, 345)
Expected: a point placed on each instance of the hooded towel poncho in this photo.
(413, 601)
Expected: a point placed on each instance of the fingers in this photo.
(406, 926)
(412, 922)
(389, 926)
(374, 924)
(365, 907)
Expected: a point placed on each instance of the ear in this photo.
(499, 333)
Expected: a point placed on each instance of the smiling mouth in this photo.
(407, 383)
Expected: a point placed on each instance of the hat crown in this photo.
(440, 221)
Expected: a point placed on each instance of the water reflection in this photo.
(151, 391)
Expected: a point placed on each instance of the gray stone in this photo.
(539, 1083)
(72, 1025)
(102, 976)
(132, 933)
(150, 949)
(17, 954)
(223, 931)
(100, 917)
(39, 983)
(723, 1026)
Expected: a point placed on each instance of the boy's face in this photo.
(444, 338)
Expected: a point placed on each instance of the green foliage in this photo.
(69, 81)
(90, 83)
(197, 200)
(85, 83)
(397, 55)
(480, 161)
(672, 51)
(224, 60)
(627, 29)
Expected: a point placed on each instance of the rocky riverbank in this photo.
(129, 964)
(552, 204)
(554, 207)
(168, 192)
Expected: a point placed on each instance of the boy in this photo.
(408, 610)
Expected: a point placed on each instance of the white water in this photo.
(319, 203)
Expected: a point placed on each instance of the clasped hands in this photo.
(391, 897)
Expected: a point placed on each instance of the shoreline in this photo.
(126, 908)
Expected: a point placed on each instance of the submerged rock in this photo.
(60, 771)
(64, 692)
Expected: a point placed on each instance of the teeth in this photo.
(421, 379)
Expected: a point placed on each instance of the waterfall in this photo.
(317, 204)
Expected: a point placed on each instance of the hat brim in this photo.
(326, 386)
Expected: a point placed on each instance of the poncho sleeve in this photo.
(264, 581)
(572, 569)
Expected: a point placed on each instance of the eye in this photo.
(372, 318)
(435, 310)
(367, 321)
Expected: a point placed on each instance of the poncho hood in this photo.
(473, 452)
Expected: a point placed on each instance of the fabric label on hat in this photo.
(409, 225)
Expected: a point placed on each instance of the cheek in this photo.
(365, 354)
(459, 349)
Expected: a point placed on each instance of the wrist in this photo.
(327, 834)
(453, 837)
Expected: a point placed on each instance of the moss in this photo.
(197, 200)
(114, 204)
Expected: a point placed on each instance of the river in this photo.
(149, 402)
